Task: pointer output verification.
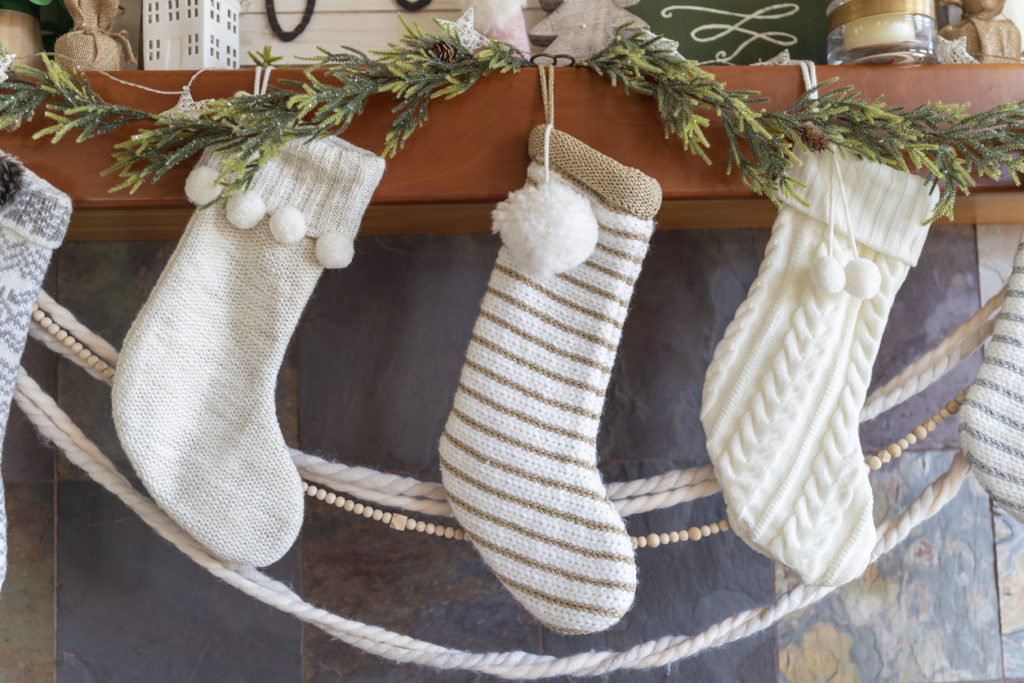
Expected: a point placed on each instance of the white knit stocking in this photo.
(518, 453)
(193, 396)
(787, 382)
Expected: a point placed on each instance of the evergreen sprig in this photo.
(955, 148)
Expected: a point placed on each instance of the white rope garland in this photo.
(54, 424)
(630, 497)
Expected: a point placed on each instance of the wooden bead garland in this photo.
(401, 522)
(60, 334)
(896, 449)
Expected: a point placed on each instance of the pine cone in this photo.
(11, 174)
(444, 51)
(814, 138)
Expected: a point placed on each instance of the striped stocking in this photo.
(518, 453)
(992, 416)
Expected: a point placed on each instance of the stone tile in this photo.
(938, 295)
(26, 601)
(131, 607)
(926, 611)
(997, 245)
(1010, 580)
(103, 284)
(401, 316)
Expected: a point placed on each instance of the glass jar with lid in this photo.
(881, 31)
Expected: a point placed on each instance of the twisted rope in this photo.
(55, 425)
(630, 497)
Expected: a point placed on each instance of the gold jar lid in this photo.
(858, 9)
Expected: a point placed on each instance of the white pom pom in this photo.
(245, 209)
(288, 225)
(827, 275)
(201, 186)
(334, 250)
(548, 229)
(862, 278)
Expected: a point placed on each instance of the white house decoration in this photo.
(190, 34)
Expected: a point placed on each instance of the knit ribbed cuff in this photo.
(620, 188)
(37, 212)
(888, 207)
(329, 180)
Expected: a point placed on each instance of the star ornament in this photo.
(470, 38)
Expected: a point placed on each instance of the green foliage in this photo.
(953, 147)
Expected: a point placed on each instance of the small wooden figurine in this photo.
(582, 27)
(989, 40)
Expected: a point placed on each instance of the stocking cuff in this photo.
(618, 187)
(37, 212)
(888, 207)
(330, 181)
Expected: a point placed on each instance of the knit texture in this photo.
(992, 416)
(784, 389)
(518, 454)
(32, 223)
(193, 396)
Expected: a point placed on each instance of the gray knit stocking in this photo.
(33, 219)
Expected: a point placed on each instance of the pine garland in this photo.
(953, 147)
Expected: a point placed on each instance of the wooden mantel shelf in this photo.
(473, 149)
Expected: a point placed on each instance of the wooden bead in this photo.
(305, 487)
(410, 524)
(349, 505)
(874, 462)
(921, 432)
(459, 534)
(367, 512)
(694, 533)
(635, 543)
(430, 529)
(653, 540)
(84, 353)
(45, 321)
(961, 397)
(69, 341)
(38, 315)
(903, 444)
(449, 532)
(398, 521)
(883, 456)
(53, 328)
(673, 537)
(953, 407)
(663, 537)
(944, 414)
(421, 527)
(76, 347)
(321, 494)
(724, 525)
(930, 425)
(311, 491)
(378, 515)
(386, 518)
(109, 372)
(340, 502)
(61, 336)
(641, 542)
(705, 531)
(357, 508)
(894, 450)
(100, 365)
(715, 528)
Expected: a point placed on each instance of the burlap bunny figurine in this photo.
(93, 44)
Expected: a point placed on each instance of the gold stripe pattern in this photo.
(523, 334)
(554, 322)
(495, 434)
(526, 391)
(568, 303)
(593, 289)
(561, 602)
(519, 360)
(528, 419)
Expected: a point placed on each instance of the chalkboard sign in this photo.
(739, 31)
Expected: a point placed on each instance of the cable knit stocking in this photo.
(992, 416)
(194, 390)
(33, 219)
(518, 453)
(787, 382)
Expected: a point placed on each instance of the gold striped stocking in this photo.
(518, 452)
